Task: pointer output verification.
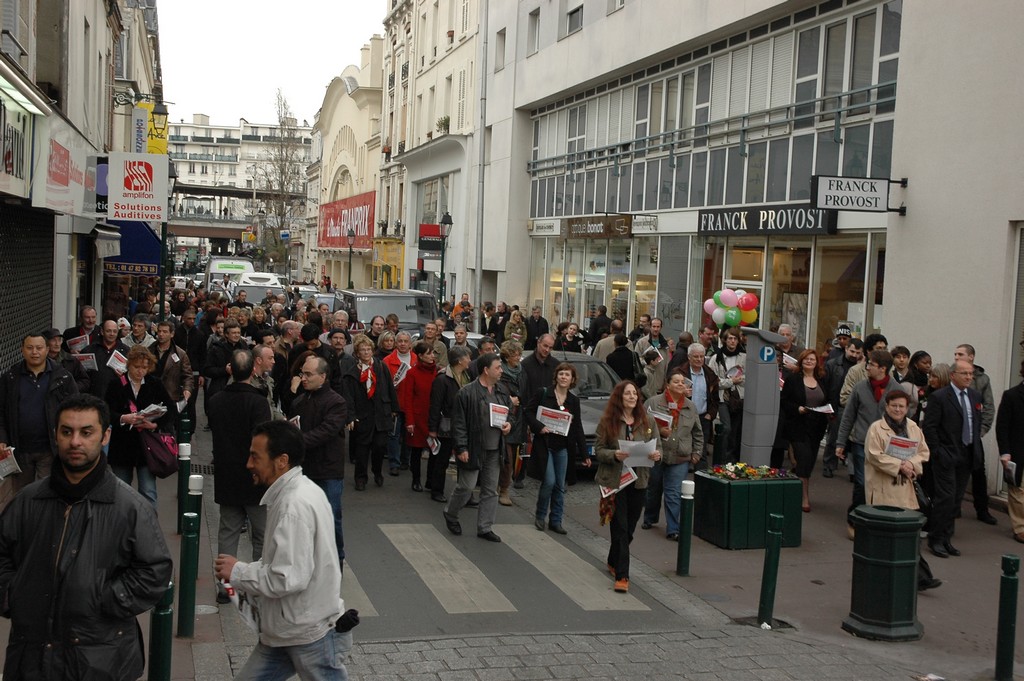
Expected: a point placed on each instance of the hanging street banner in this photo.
(355, 213)
(137, 187)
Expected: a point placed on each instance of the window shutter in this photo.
(782, 71)
(627, 121)
(760, 75)
(600, 127)
(720, 88)
(739, 82)
(614, 117)
(461, 117)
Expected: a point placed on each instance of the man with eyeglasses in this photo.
(952, 428)
(981, 383)
(322, 415)
(865, 406)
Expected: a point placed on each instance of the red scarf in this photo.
(670, 398)
(368, 379)
(878, 386)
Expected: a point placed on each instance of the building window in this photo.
(574, 20)
(615, 5)
(533, 32)
(577, 134)
(499, 50)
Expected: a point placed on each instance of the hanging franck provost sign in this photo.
(795, 218)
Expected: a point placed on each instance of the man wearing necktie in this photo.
(952, 429)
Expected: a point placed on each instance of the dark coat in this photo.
(808, 427)
(101, 378)
(621, 361)
(1010, 428)
(233, 413)
(442, 402)
(125, 445)
(322, 418)
(575, 444)
(75, 331)
(535, 328)
(217, 359)
(382, 407)
(467, 428)
(341, 366)
(177, 373)
(74, 367)
(536, 374)
(193, 342)
(61, 385)
(943, 422)
(82, 617)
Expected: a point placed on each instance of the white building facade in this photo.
(647, 154)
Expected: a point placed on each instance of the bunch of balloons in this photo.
(732, 308)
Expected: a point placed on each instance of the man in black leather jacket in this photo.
(81, 556)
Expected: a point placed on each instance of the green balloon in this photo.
(718, 298)
(732, 316)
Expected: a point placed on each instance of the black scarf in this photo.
(71, 492)
(898, 427)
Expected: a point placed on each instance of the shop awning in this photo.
(140, 250)
(108, 241)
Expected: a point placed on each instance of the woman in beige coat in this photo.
(889, 478)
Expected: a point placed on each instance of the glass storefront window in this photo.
(673, 272)
(574, 266)
(840, 277)
(790, 286)
(707, 262)
(618, 278)
(537, 275)
(746, 261)
(646, 264)
(552, 309)
(594, 278)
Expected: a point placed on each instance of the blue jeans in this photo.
(668, 477)
(855, 454)
(395, 442)
(333, 489)
(147, 481)
(552, 489)
(323, 659)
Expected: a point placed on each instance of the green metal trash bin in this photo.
(883, 605)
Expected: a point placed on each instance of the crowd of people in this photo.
(319, 393)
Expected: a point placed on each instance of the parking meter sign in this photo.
(767, 354)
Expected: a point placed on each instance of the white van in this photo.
(232, 265)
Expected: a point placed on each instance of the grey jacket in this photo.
(467, 430)
(983, 384)
(862, 410)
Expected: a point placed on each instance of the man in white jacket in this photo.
(295, 588)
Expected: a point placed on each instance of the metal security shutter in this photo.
(26, 276)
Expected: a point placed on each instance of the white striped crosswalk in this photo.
(460, 587)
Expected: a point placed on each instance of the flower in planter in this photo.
(742, 471)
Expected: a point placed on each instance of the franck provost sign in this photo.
(796, 218)
(866, 195)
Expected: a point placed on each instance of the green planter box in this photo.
(733, 514)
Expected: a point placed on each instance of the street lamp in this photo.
(172, 177)
(445, 227)
(351, 236)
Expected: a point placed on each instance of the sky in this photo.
(227, 58)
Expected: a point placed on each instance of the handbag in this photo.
(924, 504)
(160, 451)
(733, 400)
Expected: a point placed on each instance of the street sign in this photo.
(767, 354)
(866, 195)
(285, 235)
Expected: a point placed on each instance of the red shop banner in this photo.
(355, 213)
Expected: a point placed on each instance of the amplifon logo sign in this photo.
(138, 179)
(58, 171)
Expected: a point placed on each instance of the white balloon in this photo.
(718, 316)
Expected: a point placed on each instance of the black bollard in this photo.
(770, 573)
(189, 574)
(685, 528)
(161, 634)
(1007, 630)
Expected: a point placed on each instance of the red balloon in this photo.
(747, 301)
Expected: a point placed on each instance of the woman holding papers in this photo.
(803, 396)
(894, 451)
(624, 422)
(554, 417)
(682, 440)
(127, 396)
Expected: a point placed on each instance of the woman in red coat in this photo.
(417, 408)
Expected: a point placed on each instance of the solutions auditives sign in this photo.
(137, 187)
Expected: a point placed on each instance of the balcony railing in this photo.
(250, 138)
(200, 157)
(201, 138)
(177, 155)
(767, 124)
(228, 140)
(178, 138)
(226, 158)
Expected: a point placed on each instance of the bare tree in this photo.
(281, 175)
